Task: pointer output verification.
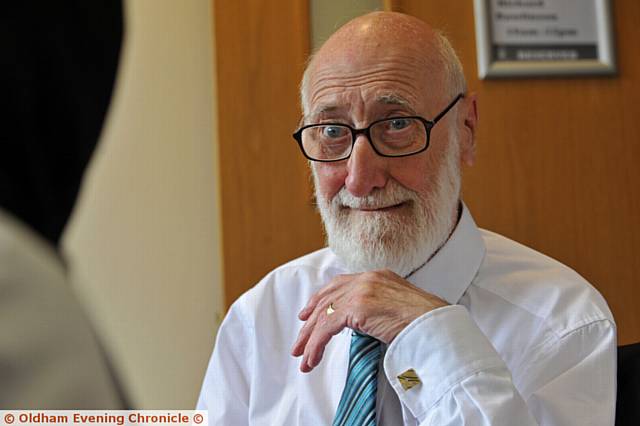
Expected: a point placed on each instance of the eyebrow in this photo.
(326, 108)
(320, 110)
(391, 99)
(386, 99)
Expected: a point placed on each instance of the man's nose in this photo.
(366, 170)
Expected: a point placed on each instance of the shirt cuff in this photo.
(443, 347)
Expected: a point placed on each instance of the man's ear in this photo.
(469, 112)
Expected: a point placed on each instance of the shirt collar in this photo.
(451, 270)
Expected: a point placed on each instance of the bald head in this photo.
(382, 36)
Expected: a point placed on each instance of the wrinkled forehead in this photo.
(372, 71)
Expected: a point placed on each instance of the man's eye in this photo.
(399, 123)
(334, 132)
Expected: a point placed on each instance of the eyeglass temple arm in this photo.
(446, 110)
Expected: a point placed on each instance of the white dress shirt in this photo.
(526, 341)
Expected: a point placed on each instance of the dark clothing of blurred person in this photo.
(58, 67)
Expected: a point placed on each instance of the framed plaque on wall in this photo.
(543, 37)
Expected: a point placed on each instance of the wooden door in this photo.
(267, 212)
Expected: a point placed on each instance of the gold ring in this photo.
(330, 309)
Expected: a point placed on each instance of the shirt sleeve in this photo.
(463, 380)
(225, 391)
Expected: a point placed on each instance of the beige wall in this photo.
(145, 237)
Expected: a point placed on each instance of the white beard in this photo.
(401, 240)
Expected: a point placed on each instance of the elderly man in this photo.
(412, 315)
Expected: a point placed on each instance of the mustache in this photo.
(392, 194)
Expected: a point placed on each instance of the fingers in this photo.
(307, 310)
(320, 310)
(316, 306)
(303, 337)
(378, 303)
(318, 340)
(320, 325)
(321, 294)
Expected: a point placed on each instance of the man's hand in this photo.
(379, 303)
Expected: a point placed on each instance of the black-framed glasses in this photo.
(391, 137)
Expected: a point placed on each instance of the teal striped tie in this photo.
(358, 403)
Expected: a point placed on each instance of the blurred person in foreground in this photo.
(59, 64)
(412, 315)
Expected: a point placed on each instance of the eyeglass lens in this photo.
(392, 137)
